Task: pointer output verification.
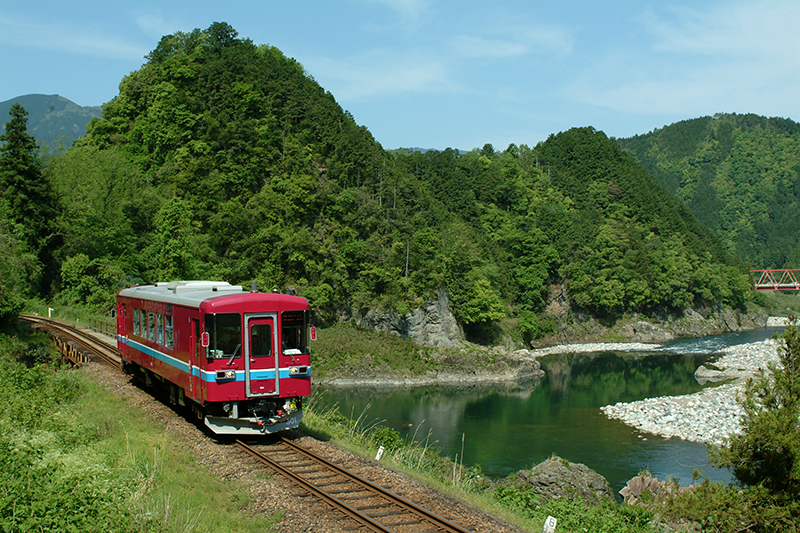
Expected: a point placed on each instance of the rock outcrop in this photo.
(581, 327)
(558, 478)
(433, 324)
(651, 487)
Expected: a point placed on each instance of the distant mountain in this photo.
(52, 118)
(738, 174)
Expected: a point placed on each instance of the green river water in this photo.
(506, 428)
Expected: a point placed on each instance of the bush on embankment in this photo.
(76, 458)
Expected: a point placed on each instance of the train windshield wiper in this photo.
(230, 361)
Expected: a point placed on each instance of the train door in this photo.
(261, 355)
(122, 330)
(195, 350)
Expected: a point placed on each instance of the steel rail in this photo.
(421, 515)
(394, 498)
(78, 337)
(359, 517)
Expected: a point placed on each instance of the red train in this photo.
(239, 359)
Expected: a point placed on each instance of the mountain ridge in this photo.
(52, 118)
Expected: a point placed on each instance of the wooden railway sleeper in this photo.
(356, 497)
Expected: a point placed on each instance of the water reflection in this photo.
(511, 427)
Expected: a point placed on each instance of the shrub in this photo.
(767, 451)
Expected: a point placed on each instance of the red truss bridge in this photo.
(776, 279)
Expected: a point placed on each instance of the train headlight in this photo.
(226, 374)
(298, 370)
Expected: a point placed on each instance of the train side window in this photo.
(294, 332)
(159, 329)
(151, 326)
(225, 335)
(136, 322)
(168, 330)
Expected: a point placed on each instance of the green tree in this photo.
(172, 249)
(767, 451)
(90, 282)
(22, 184)
(18, 267)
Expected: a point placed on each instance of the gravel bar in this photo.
(708, 416)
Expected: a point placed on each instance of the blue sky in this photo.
(441, 73)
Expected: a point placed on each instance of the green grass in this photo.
(779, 303)
(348, 350)
(76, 457)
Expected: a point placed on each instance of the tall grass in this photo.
(75, 457)
(345, 349)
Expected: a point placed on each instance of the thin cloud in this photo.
(409, 9)
(59, 38)
(513, 39)
(702, 61)
(154, 25)
(380, 74)
(475, 47)
(731, 29)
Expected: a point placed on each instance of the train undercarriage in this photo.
(259, 416)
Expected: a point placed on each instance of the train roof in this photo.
(188, 293)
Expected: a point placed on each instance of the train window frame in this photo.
(217, 348)
(136, 330)
(294, 332)
(159, 328)
(151, 326)
(168, 333)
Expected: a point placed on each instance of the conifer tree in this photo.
(767, 451)
(28, 195)
(21, 182)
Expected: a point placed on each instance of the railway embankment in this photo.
(707, 416)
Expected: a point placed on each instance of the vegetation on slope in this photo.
(739, 175)
(225, 159)
(54, 121)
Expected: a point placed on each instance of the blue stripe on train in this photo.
(205, 375)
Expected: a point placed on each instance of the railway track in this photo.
(75, 345)
(371, 506)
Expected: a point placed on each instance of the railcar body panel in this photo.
(240, 358)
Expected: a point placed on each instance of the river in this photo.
(506, 428)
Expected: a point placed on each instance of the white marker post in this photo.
(549, 525)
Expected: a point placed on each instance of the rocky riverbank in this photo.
(710, 415)
(464, 368)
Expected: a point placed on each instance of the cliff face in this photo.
(432, 324)
(641, 328)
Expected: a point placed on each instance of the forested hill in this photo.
(223, 159)
(52, 118)
(739, 175)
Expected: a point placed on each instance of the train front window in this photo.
(294, 332)
(225, 335)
